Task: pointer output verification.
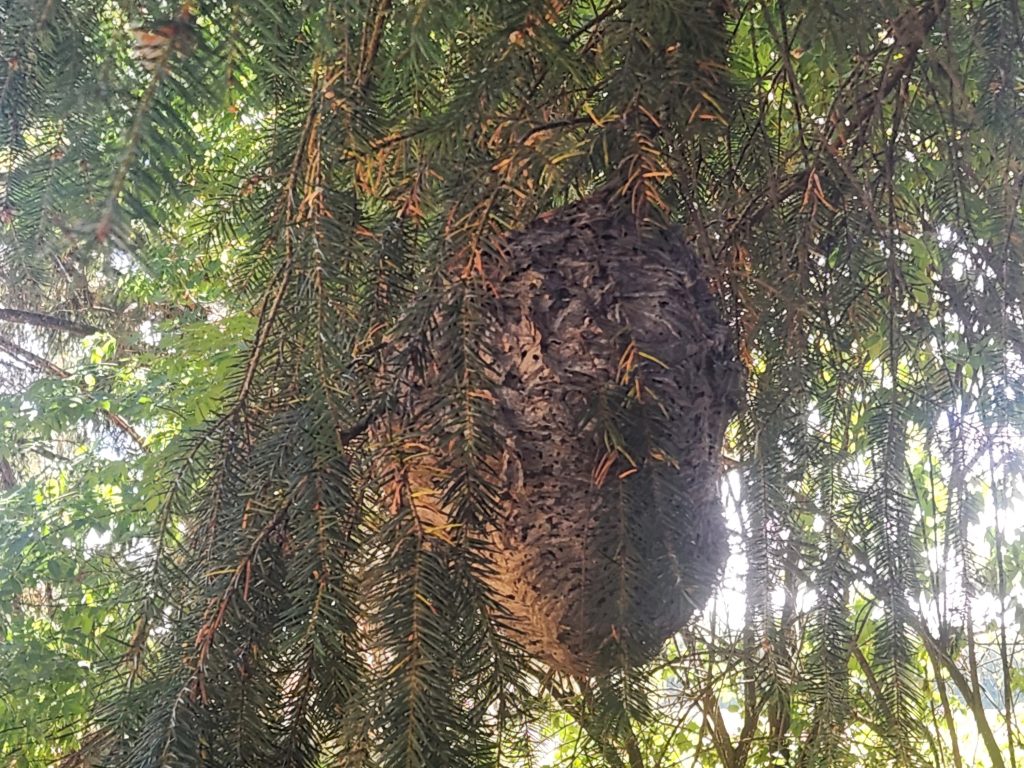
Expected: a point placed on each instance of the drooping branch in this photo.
(851, 117)
(909, 31)
(372, 34)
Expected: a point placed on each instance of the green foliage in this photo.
(224, 276)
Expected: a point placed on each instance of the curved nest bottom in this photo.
(615, 378)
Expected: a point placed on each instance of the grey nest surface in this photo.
(615, 377)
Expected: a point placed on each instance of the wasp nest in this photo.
(616, 378)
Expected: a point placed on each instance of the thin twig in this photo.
(45, 366)
(50, 322)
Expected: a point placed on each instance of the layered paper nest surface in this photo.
(615, 378)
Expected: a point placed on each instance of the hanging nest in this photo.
(615, 379)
